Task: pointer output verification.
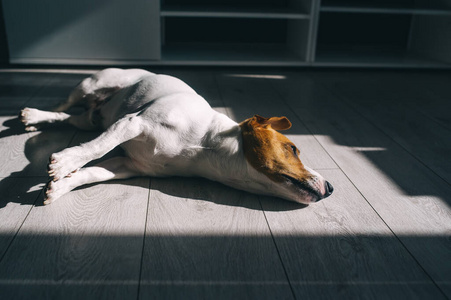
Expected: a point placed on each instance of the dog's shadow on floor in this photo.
(26, 186)
(25, 158)
(201, 189)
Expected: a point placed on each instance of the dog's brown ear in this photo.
(277, 123)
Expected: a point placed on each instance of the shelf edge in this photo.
(412, 11)
(219, 14)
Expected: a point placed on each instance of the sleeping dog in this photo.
(167, 129)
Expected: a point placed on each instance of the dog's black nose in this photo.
(329, 189)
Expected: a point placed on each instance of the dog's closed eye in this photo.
(295, 150)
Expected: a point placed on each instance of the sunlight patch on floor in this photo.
(368, 149)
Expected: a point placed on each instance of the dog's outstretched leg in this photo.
(114, 168)
(32, 118)
(71, 159)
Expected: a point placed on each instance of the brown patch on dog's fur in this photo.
(270, 152)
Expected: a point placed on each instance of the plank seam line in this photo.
(277, 250)
(431, 118)
(20, 227)
(377, 213)
(144, 240)
(215, 78)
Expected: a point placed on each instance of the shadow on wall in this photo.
(71, 31)
(68, 14)
(4, 55)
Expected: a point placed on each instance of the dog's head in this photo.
(274, 156)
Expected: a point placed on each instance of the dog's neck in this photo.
(224, 158)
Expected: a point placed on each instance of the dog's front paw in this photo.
(62, 164)
(29, 117)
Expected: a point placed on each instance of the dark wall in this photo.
(4, 57)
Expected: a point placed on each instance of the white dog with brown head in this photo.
(167, 129)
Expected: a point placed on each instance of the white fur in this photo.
(166, 129)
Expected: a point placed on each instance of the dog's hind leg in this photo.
(71, 159)
(114, 168)
(33, 118)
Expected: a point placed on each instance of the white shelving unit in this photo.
(316, 33)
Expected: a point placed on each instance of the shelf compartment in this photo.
(218, 30)
(369, 40)
(258, 41)
(374, 57)
(241, 54)
(377, 40)
(363, 30)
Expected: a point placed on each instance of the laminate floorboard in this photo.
(397, 109)
(208, 241)
(88, 245)
(23, 84)
(340, 248)
(389, 178)
(437, 104)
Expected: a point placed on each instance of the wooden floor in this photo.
(382, 138)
